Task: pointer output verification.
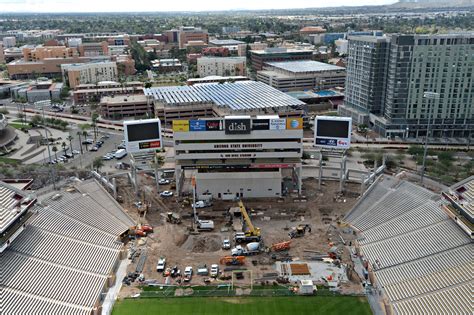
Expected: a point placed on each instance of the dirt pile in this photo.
(202, 243)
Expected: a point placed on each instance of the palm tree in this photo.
(55, 149)
(79, 133)
(95, 116)
(84, 133)
(64, 145)
(70, 138)
(97, 163)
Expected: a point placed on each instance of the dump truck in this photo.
(232, 260)
(246, 250)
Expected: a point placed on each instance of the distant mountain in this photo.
(433, 3)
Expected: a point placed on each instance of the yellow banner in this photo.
(294, 123)
(181, 125)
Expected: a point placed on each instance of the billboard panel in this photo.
(278, 124)
(213, 125)
(142, 135)
(294, 123)
(332, 132)
(180, 125)
(260, 124)
(237, 126)
(197, 125)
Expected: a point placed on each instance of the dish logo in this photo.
(237, 126)
(342, 143)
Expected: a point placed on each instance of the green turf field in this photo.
(244, 306)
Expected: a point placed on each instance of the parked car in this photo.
(160, 267)
(202, 204)
(88, 141)
(226, 244)
(94, 148)
(75, 152)
(121, 146)
(188, 273)
(163, 181)
(202, 270)
(166, 193)
(69, 155)
(214, 270)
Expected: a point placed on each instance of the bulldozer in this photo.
(232, 260)
(299, 231)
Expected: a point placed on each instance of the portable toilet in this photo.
(306, 287)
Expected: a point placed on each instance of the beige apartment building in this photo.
(38, 53)
(191, 34)
(93, 72)
(221, 66)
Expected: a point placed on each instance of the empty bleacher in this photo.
(421, 258)
(406, 197)
(453, 300)
(62, 261)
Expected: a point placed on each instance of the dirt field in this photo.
(180, 247)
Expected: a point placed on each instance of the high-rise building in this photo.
(387, 81)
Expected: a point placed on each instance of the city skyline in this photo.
(61, 6)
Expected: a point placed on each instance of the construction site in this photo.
(259, 242)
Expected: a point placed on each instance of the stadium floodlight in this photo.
(429, 96)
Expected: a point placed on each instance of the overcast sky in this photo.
(169, 5)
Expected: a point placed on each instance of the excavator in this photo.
(250, 233)
(299, 231)
(232, 260)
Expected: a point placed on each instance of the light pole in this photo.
(429, 96)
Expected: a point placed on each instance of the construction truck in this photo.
(299, 231)
(172, 217)
(232, 260)
(205, 225)
(250, 233)
(246, 250)
(140, 230)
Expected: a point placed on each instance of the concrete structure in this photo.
(388, 77)
(219, 100)
(122, 106)
(6, 86)
(2, 54)
(93, 72)
(191, 33)
(38, 91)
(9, 41)
(256, 153)
(302, 75)
(86, 93)
(242, 48)
(260, 57)
(12, 53)
(221, 66)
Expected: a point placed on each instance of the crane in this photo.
(250, 233)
